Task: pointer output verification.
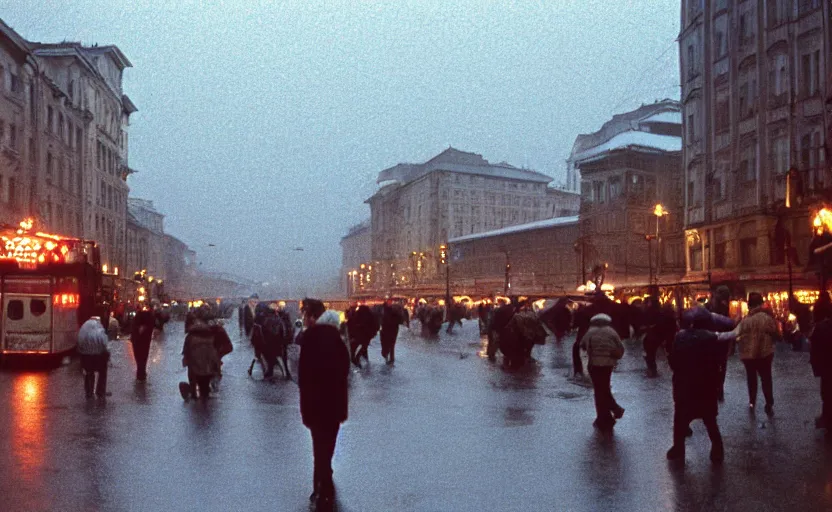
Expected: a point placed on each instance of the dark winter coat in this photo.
(362, 324)
(199, 354)
(222, 342)
(142, 328)
(820, 354)
(391, 318)
(661, 327)
(695, 360)
(322, 376)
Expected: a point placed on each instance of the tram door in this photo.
(27, 316)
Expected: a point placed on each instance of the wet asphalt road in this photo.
(443, 430)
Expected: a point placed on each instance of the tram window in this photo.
(37, 307)
(14, 310)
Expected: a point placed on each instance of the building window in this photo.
(719, 254)
(691, 61)
(720, 45)
(15, 83)
(50, 164)
(723, 115)
(810, 74)
(695, 255)
(50, 118)
(691, 193)
(615, 187)
(780, 155)
(691, 127)
(748, 252)
(718, 189)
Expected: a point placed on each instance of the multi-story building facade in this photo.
(419, 207)
(18, 158)
(179, 268)
(533, 259)
(754, 84)
(145, 239)
(629, 166)
(356, 250)
(83, 144)
(63, 140)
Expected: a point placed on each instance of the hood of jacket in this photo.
(330, 317)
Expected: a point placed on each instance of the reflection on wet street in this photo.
(443, 429)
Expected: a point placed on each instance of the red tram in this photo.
(49, 285)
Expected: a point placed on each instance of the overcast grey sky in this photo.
(262, 124)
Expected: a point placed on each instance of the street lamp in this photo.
(659, 211)
(443, 260)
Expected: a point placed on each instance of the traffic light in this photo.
(443, 254)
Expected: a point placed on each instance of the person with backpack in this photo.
(201, 358)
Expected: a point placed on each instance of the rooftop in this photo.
(650, 117)
(531, 226)
(454, 160)
(635, 140)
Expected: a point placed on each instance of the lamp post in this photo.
(659, 211)
(507, 284)
(443, 260)
(649, 239)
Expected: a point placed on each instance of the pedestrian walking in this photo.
(695, 360)
(141, 336)
(661, 329)
(391, 318)
(756, 335)
(250, 313)
(95, 356)
(201, 358)
(322, 378)
(362, 326)
(820, 357)
(604, 348)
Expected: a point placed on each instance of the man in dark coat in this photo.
(661, 329)
(322, 378)
(391, 318)
(820, 357)
(362, 326)
(141, 335)
(695, 360)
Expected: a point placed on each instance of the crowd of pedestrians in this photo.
(698, 343)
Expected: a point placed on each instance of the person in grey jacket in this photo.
(604, 348)
(95, 356)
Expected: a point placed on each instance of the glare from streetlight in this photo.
(660, 211)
